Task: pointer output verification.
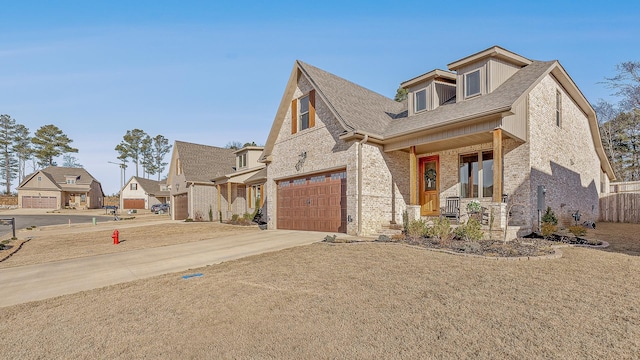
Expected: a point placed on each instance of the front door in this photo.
(429, 186)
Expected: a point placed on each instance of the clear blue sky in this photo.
(212, 72)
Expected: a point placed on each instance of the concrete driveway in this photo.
(35, 282)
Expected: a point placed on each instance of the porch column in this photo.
(229, 196)
(413, 177)
(219, 199)
(497, 165)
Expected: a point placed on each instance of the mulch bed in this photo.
(490, 248)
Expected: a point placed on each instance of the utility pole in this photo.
(123, 166)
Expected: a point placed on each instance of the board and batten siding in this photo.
(482, 65)
(516, 124)
(498, 72)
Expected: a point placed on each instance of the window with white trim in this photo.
(420, 100)
(303, 113)
(134, 186)
(558, 108)
(472, 83)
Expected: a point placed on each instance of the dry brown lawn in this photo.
(366, 300)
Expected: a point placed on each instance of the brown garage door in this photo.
(180, 207)
(133, 203)
(39, 202)
(314, 203)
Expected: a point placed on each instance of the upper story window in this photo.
(472, 83)
(558, 108)
(420, 100)
(303, 112)
(39, 178)
(242, 161)
(70, 180)
(134, 186)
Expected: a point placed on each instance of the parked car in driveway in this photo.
(160, 208)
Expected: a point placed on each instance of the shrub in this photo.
(577, 230)
(473, 206)
(441, 230)
(188, 220)
(330, 238)
(234, 217)
(548, 229)
(471, 231)
(210, 214)
(417, 229)
(383, 238)
(247, 216)
(550, 217)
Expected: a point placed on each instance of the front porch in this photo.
(467, 169)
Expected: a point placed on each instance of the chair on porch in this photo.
(451, 208)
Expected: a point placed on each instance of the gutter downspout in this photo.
(360, 144)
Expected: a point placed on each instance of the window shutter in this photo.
(294, 116)
(312, 108)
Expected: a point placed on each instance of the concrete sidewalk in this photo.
(35, 282)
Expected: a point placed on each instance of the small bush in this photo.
(383, 238)
(234, 217)
(210, 214)
(188, 220)
(441, 230)
(548, 229)
(330, 238)
(247, 216)
(577, 230)
(471, 231)
(417, 229)
(550, 217)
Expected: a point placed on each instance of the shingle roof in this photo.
(502, 97)
(152, 186)
(203, 162)
(257, 177)
(358, 107)
(58, 175)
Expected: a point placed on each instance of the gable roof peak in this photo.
(493, 51)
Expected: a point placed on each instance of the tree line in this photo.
(620, 123)
(19, 149)
(143, 151)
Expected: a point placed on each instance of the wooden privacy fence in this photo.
(621, 207)
(624, 187)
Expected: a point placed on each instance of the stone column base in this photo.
(413, 212)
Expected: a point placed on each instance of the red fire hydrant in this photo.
(115, 236)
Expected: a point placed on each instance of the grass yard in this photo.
(366, 300)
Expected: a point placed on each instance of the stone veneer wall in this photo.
(201, 199)
(562, 158)
(324, 151)
(385, 187)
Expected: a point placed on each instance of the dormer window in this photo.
(420, 100)
(472, 83)
(242, 161)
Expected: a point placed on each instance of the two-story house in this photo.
(213, 183)
(495, 126)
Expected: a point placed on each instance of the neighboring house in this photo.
(141, 193)
(60, 187)
(208, 181)
(497, 125)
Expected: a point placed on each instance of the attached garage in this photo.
(180, 207)
(314, 203)
(133, 203)
(39, 202)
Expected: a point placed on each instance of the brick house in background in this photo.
(206, 180)
(342, 158)
(56, 187)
